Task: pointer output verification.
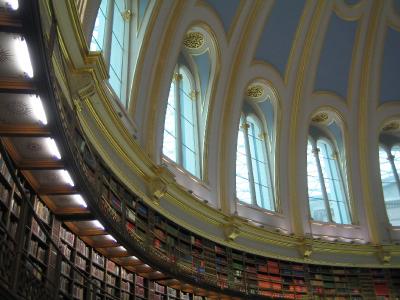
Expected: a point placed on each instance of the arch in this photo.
(191, 88)
(180, 142)
(328, 195)
(254, 182)
(115, 33)
(389, 165)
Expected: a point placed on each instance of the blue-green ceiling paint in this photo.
(277, 37)
(351, 2)
(397, 5)
(226, 10)
(390, 78)
(204, 68)
(142, 9)
(335, 60)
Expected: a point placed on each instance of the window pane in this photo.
(188, 135)
(333, 183)
(242, 172)
(118, 24)
(262, 184)
(188, 129)
(391, 193)
(169, 146)
(180, 123)
(120, 5)
(96, 43)
(187, 108)
(169, 143)
(189, 160)
(185, 84)
(170, 115)
(315, 195)
(115, 82)
(117, 54)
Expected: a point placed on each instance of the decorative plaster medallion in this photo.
(194, 40)
(19, 108)
(255, 91)
(320, 118)
(4, 55)
(34, 147)
(392, 126)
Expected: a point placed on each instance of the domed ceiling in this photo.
(339, 57)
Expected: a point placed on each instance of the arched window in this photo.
(110, 35)
(389, 161)
(181, 143)
(326, 189)
(253, 174)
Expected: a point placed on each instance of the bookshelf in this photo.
(222, 266)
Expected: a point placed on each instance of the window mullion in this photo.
(127, 16)
(341, 181)
(108, 33)
(321, 180)
(179, 143)
(268, 171)
(199, 161)
(332, 165)
(245, 128)
(394, 170)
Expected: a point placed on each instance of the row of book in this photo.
(42, 211)
(112, 267)
(81, 247)
(65, 250)
(36, 251)
(37, 231)
(4, 194)
(67, 236)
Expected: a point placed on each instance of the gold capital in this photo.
(127, 15)
(245, 126)
(177, 77)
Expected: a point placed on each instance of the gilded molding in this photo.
(158, 188)
(384, 255)
(231, 229)
(305, 248)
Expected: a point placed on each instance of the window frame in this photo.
(395, 172)
(176, 83)
(244, 127)
(316, 156)
(106, 48)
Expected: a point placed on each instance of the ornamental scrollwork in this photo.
(194, 40)
(255, 91)
(321, 117)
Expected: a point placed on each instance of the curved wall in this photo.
(208, 210)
